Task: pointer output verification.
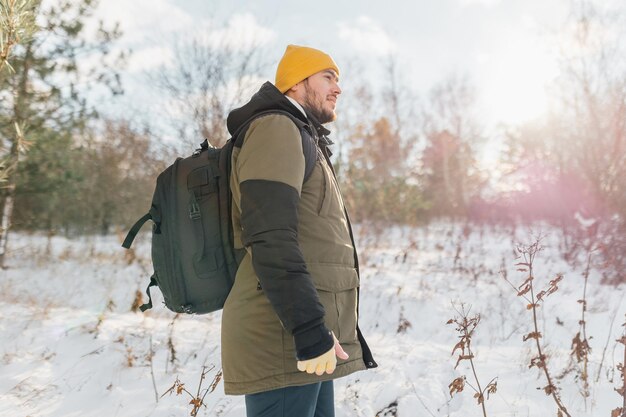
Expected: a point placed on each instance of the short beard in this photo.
(315, 106)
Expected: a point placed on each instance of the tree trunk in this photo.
(7, 210)
(445, 166)
(19, 118)
(7, 213)
(9, 199)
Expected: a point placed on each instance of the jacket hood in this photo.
(266, 99)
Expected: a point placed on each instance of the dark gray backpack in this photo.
(193, 255)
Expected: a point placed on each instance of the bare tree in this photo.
(448, 166)
(207, 79)
(378, 126)
(593, 93)
(123, 167)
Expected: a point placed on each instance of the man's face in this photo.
(319, 95)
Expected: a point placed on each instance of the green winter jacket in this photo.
(299, 278)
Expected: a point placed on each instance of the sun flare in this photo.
(517, 83)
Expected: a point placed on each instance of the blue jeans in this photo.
(313, 400)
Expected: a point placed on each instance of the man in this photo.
(289, 325)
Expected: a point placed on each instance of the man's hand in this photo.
(326, 362)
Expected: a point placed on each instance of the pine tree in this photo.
(41, 93)
(16, 25)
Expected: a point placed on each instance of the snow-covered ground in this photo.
(71, 346)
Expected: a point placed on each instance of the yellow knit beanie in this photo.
(300, 62)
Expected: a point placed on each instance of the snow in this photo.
(71, 346)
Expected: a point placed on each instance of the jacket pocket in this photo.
(337, 287)
(326, 191)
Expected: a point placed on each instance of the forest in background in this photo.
(401, 158)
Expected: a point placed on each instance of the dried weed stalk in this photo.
(403, 323)
(621, 367)
(170, 343)
(608, 340)
(150, 358)
(465, 326)
(130, 357)
(197, 400)
(109, 308)
(526, 290)
(580, 343)
(389, 411)
(137, 302)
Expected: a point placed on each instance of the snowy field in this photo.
(72, 346)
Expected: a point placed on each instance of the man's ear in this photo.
(295, 90)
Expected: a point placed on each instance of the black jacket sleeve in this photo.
(269, 219)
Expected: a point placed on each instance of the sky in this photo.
(508, 49)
